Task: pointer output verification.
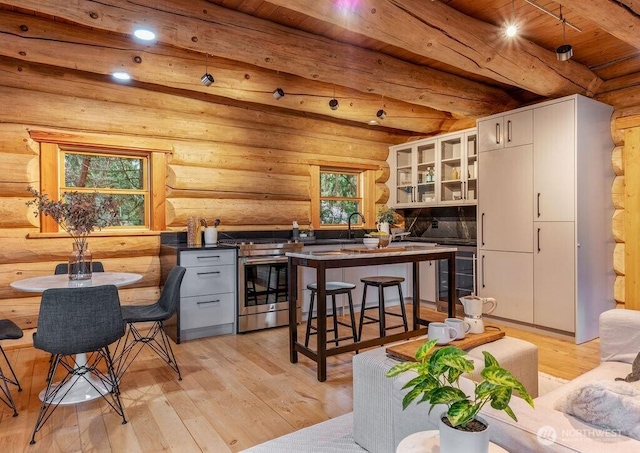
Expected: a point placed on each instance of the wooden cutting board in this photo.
(407, 351)
(366, 250)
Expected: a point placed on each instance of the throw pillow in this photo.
(606, 404)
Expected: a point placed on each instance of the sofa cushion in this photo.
(611, 405)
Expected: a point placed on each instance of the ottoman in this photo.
(380, 423)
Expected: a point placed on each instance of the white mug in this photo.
(441, 332)
(461, 327)
(210, 235)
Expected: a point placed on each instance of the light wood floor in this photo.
(237, 391)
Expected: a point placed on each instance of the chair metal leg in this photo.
(404, 311)
(53, 396)
(335, 319)
(362, 309)
(133, 338)
(353, 318)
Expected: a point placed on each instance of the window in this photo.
(121, 176)
(340, 196)
(338, 192)
(135, 176)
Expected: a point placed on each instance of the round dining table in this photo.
(84, 387)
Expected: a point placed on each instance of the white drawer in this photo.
(204, 280)
(206, 311)
(207, 258)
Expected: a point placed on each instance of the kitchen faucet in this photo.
(349, 222)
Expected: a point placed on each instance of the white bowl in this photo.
(370, 243)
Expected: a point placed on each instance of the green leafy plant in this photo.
(77, 213)
(386, 214)
(437, 383)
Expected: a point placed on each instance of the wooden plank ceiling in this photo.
(433, 66)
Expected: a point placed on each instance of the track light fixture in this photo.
(565, 51)
(333, 103)
(381, 114)
(278, 93)
(206, 79)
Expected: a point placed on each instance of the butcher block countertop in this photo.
(354, 252)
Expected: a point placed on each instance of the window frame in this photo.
(52, 145)
(366, 190)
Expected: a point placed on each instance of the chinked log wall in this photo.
(248, 167)
(625, 192)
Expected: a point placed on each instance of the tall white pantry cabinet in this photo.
(544, 214)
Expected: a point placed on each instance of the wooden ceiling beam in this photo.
(435, 30)
(618, 18)
(204, 27)
(58, 44)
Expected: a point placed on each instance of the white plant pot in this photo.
(455, 441)
(384, 226)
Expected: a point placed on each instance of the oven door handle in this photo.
(265, 260)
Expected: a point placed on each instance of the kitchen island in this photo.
(353, 257)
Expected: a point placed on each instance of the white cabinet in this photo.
(436, 171)
(507, 277)
(505, 131)
(505, 205)
(207, 294)
(554, 275)
(544, 204)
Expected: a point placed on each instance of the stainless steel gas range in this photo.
(263, 297)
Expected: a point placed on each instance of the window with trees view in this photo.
(135, 176)
(339, 196)
(123, 177)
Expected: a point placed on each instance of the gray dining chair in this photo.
(9, 331)
(79, 321)
(155, 337)
(63, 268)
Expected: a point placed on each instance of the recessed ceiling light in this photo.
(121, 75)
(144, 34)
(511, 30)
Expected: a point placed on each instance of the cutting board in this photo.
(407, 351)
(366, 250)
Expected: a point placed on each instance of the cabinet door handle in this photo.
(538, 205)
(483, 271)
(482, 227)
(538, 240)
(208, 273)
(497, 133)
(203, 302)
(509, 131)
(210, 257)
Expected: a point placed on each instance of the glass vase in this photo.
(80, 260)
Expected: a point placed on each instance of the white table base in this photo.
(78, 389)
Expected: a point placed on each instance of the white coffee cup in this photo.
(210, 235)
(462, 327)
(441, 332)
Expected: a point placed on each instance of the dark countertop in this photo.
(182, 246)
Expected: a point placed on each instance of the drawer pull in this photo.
(202, 302)
(207, 273)
(211, 257)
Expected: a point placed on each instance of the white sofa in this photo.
(539, 429)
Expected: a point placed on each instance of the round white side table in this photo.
(429, 442)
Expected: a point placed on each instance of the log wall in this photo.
(625, 222)
(249, 167)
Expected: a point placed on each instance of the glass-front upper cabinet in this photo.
(435, 171)
(458, 169)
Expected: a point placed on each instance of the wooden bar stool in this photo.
(381, 283)
(332, 289)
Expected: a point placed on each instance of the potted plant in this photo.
(437, 383)
(79, 214)
(386, 217)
